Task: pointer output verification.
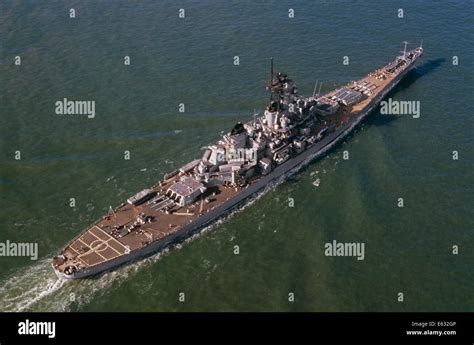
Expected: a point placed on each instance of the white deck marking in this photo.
(112, 238)
(74, 250)
(93, 250)
(94, 246)
(78, 255)
(106, 242)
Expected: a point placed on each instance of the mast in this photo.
(271, 71)
(315, 86)
(405, 49)
(271, 79)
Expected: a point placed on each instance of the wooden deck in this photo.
(100, 242)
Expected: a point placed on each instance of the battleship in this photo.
(292, 131)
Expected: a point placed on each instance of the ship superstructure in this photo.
(290, 132)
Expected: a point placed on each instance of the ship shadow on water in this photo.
(375, 118)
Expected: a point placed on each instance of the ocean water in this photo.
(190, 61)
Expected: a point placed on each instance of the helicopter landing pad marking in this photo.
(110, 238)
(92, 249)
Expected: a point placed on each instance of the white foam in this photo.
(37, 287)
(28, 286)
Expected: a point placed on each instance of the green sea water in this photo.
(191, 61)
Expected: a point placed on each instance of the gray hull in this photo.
(277, 175)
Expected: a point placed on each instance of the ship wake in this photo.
(28, 286)
(37, 288)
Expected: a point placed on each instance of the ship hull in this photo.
(279, 173)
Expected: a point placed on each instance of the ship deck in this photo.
(346, 113)
(98, 243)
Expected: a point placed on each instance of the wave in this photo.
(36, 288)
(28, 286)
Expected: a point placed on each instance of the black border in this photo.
(238, 328)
